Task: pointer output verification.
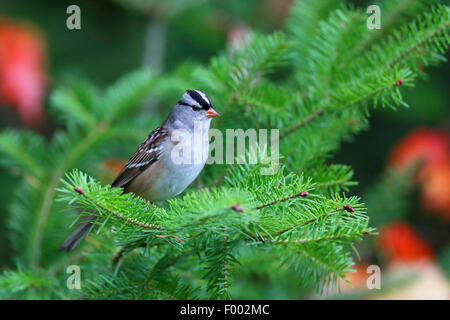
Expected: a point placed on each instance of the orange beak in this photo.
(211, 113)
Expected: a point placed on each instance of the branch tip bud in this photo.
(79, 190)
(237, 207)
(348, 208)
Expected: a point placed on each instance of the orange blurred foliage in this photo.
(435, 193)
(113, 166)
(357, 279)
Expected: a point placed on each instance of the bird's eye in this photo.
(195, 108)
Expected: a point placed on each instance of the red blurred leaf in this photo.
(432, 145)
(401, 243)
(22, 70)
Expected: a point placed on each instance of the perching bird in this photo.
(159, 170)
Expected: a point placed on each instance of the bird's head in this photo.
(193, 106)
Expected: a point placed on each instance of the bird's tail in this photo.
(75, 237)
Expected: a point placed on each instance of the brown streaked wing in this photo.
(147, 153)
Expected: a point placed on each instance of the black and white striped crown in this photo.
(195, 98)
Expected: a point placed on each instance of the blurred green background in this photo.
(119, 36)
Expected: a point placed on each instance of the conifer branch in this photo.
(296, 195)
(304, 223)
(112, 291)
(374, 35)
(337, 237)
(116, 214)
(50, 189)
(331, 183)
(316, 260)
(418, 45)
(313, 116)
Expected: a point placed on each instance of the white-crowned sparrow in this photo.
(168, 160)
